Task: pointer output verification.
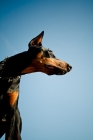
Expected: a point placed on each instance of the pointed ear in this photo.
(37, 41)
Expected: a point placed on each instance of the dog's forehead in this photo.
(46, 52)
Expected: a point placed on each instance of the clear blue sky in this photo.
(53, 107)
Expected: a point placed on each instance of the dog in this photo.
(36, 59)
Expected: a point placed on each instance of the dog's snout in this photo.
(69, 67)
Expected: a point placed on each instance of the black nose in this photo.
(69, 68)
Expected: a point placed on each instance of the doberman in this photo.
(35, 59)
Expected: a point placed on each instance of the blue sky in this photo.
(53, 107)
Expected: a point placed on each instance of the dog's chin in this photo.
(55, 71)
(60, 72)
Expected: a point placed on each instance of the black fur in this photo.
(10, 119)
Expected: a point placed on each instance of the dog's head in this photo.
(44, 60)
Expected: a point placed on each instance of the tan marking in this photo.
(3, 120)
(39, 55)
(12, 97)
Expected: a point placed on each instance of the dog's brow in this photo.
(51, 54)
(48, 53)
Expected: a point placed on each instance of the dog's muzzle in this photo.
(57, 70)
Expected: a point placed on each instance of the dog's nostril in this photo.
(69, 67)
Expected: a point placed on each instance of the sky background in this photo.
(53, 107)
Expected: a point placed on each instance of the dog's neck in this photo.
(12, 66)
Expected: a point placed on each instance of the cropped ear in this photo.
(37, 41)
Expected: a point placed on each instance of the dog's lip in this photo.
(57, 71)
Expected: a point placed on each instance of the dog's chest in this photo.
(10, 91)
(11, 98)
(13, 91)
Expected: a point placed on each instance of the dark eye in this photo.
(46, 54)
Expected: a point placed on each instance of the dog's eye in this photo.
(46, 54)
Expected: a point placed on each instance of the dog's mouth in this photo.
(49, 67)
(56, 70)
